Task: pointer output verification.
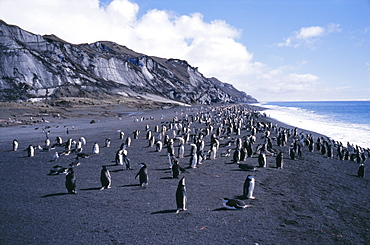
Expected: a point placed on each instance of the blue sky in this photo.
(274, 50)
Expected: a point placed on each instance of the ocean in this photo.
(345, 121)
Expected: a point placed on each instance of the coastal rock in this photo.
(35, 67)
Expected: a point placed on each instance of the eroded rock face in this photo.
(34, 66)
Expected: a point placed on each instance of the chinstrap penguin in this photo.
(71, 181)
(105, 178)
(248, 187)
(143, 175)
(234, 204)
(181, 196)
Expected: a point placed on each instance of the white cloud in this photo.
(310, 32)
(307, 36)
(282, 83)
(212, 46)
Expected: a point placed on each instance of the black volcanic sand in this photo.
(313, 200)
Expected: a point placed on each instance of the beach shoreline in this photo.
(312, 200)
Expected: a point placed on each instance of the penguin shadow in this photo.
(255, 169)
(354, 175)
(168, 211)
(242, 170)
(225, 209)
(91, 189)
(116, 170)
(55, 194)
(167, 170)
(9, 151)
(24, 157)
(112, 165)
(241, 197)
(132, 185)
(167, 178)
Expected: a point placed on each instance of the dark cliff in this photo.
(37, 67)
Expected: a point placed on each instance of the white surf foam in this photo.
(358, 134)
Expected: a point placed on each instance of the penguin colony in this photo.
(210, 135)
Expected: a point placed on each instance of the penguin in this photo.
(15, 145)
(181, 149)
(292, 153)
(236, 156)
(148, 134)
(31, 151)
(247, 167)
(158, 146)
(193, 161)
(181, 196)
(126, 160)
(119, 157)
(71, 181)
(243, 154)
(151, 141)
(330, 152)
(105, 178)
(171, 159)
(177, 169)
(107, 142)
(143, 175)
(200, 149)
(213, 151)
(128, 141)
(55, 156)
(249, 187)
(226, 153)
(234, 204)
(249, 149)
(82, 155)
(68, 145)
(170, 148)
(136, 134)
(279, 160)
(96, 148)
(121, 135)
(194, 156)
(47, 142)
(323, 150)
(82, 140)
(57, 169)
(262, 160)
(361, 170)
(123, 146)
(78, 146)
(311, 146)
(59, 140)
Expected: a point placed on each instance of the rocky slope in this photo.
(37, 67)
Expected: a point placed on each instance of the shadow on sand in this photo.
(168, 211)
(91, 189)
(130, 185)
(166, 178)
(55, 194)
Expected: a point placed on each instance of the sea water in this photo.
(345, 121)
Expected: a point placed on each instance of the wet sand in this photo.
(313, 200)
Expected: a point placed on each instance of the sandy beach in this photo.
(312, 200)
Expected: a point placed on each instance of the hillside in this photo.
(35, 67)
